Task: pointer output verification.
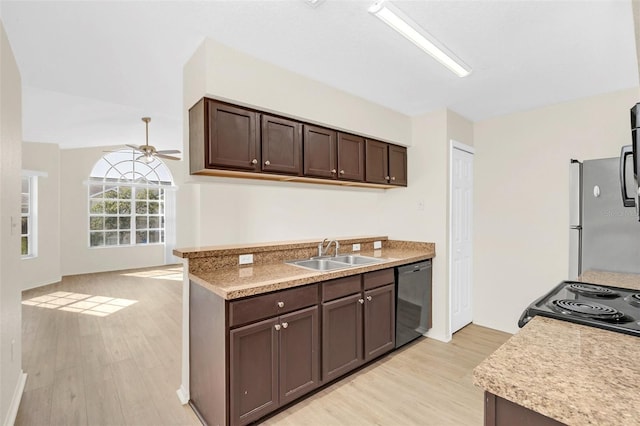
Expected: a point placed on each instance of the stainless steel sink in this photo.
(352, 259)
(324, 263)
(319, 264)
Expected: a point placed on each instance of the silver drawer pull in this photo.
(280, 304)
(361, 301)
(369, 298)
(333, 171)
(341, 172)
(267, 163)
(285, 324)
(254, 161)
(277, 327)
(393, 178)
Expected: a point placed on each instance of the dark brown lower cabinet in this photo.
(341, 336)
(501, 412)
(379, 321)
(273, 362)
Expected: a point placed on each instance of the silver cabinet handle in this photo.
(369, 298)
(393, 178)
(277, 327)
(386, 178)
(341, 172)
(285, 324)
(254, 161)
(361, 301)
(266, 163)
(333, 171)
(280, 304)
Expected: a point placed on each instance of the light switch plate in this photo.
(356, 247)
(377, 245)
(245, 259)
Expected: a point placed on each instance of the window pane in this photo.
(96, 206)
(154, 236)
(25, 225)
(25, 203)
(125, 193)
(125, 222)
(154, 222)
(125, 238)
(141, 207)
(96, 223)
(111, 207)
(141, 222)
(154, 194)
(141, 194)
(25, 184)
(110, 223)
(153, 207)
(125, 207)
(162, 236)
(111, 238)
(25, 246)
(141, 237)
(96, 239)
(112, 192)
(95, 190)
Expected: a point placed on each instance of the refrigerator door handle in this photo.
(628, 201)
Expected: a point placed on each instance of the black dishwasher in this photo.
(413, 301)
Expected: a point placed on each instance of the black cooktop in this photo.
(609, 308)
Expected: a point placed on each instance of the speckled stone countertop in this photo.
(576, 374)
(271, 273)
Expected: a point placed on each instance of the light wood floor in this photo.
(124, 368)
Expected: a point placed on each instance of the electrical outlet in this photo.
(377, 245)
(245, 259)
(356, 247)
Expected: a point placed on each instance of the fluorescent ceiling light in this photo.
(400, 22)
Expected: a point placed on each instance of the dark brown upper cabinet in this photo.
(398, 165)
(281, 145)
(320, 157)
(225, 136)
(350, 157)
(386, 163)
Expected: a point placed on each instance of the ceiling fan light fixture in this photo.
(405, 26)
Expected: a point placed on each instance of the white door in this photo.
(460, 242)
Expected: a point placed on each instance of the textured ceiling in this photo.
(91, 69)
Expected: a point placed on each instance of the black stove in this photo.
(609, 308)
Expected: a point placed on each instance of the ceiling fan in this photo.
(149, 151)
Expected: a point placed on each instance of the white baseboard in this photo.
(15, 401)
(183, 395)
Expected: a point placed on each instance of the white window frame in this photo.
(31, 177)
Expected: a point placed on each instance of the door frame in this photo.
(453, 144)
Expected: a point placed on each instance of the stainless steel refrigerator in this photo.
(604, 234)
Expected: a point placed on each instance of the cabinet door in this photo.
(398, 165)
(379, 321)
(299, 353)
(377, 161)
(281, 145)
(233, 137)
(341, 336)
(350, 157)
(319, 152)
(253, 358)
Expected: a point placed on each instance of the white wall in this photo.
(521, 197)
(11, 377)
(76, 256)
(45, 268)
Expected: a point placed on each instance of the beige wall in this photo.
(10, 284)
(521, 197)
(45, 268)
(76, 256)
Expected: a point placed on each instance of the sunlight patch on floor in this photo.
(174, 274)
(88, 304)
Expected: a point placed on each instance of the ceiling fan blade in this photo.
(137, 148)
(168, 157)
(168, 151)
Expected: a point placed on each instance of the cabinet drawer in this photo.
(268, 305)
(341, 287)
(378, 278)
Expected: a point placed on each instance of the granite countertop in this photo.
(236, 282)
(576, 374)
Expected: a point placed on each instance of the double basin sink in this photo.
(330, 263)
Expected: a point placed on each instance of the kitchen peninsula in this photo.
(557, 372)
(264, 334)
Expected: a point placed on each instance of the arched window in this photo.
(127, 200)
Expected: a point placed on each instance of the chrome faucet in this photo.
(322, 250)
